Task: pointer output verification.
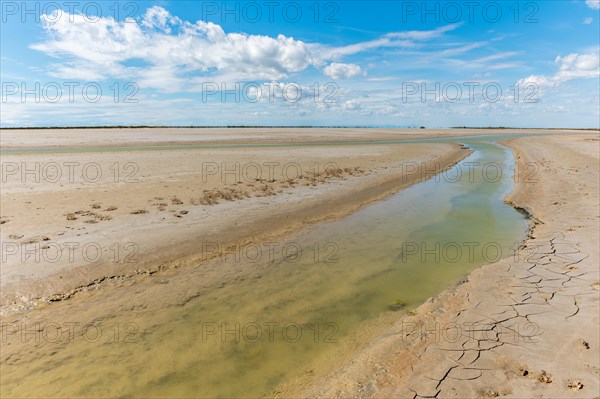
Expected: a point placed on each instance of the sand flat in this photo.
(112, 137)
(154, 207)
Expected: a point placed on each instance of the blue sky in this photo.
(388, 63)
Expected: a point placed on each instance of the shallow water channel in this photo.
(279, 310)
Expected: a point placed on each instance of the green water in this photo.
(179, 334)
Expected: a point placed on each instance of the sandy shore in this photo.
(525, 327)
(76, 219)
(61, 138)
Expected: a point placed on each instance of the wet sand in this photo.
(524, 327)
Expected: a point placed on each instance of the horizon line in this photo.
(286, 127)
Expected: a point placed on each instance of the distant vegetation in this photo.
(284, 127)
(203, 127)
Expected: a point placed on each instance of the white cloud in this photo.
(169, 52)
(383, 78)
(496, 57)
(158, 17)
(461, 49)
(505, 65)
(101, 48)
(393, 39)
(352, 105)
(588, 21)
(342, 71)
(427, 34)
(594, 4)
(578, 66)
(572, 66)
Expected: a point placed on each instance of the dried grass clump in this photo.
(357, 170)
(213, 197)
(138, 211)
(333, 172)
(265, 191)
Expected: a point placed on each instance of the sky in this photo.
(325, 63)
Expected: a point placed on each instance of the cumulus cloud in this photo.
(101, 48)
(572, 66)
(161, 51)
(594, 4)
(578, 66)
(158, 17)
(336, 70)
(588, 21)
